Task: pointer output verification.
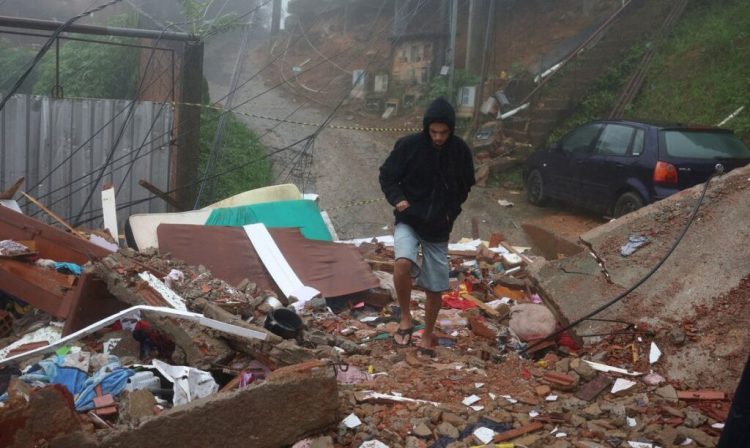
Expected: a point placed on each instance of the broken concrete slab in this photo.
(578, 284)
(294, 402)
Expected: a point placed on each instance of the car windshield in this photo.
(704, 145)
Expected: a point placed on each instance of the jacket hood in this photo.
(440, 111)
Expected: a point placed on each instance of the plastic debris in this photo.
(654, 354)
(634, 243)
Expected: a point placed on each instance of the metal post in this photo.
(184, 160)
(57, 88)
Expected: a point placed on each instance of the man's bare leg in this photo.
(432, 307)
(402, 283)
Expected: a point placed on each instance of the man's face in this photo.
(439, 133)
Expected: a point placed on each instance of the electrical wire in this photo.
(215, 155)
(159, 137)
(322, 126)
(42, 51)
(719, 169)
(131, 108)
(312, 136)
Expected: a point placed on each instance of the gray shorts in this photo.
(432, 275)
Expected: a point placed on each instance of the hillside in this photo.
(701, 73)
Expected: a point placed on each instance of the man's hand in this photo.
(403, 205)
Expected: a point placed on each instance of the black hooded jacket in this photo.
(434, 181)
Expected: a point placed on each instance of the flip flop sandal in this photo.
(406, 336)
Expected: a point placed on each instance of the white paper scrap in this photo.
(373, 444)
(561, 435)
(369, 319)
(555, 430)
(485, 435)
(631, 422)
(687, 442)
(492, 396)
(352, 421)
(605, 368)
(533, 414)
(510, 399)
(189, 383)
(468, 401)
(655, 354)
(640, 444)
(718, 426)
(551, 398)
(477, 408)
(622, 384)
(478, 385)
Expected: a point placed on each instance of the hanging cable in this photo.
(42, 51)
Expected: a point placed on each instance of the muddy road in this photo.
(342, 165)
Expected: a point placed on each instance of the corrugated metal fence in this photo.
(60, 146)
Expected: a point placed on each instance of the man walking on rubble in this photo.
(426, 178)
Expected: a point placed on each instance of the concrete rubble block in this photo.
(139, 405)
(668, 393)
(295, 401)
(322, 442)
(448, 430)
(700, 437)
(49, 414)
(422, 430)
(694, 419)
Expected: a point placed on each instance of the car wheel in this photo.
(535, 188)
(628, 202)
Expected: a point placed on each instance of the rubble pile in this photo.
(180, 350)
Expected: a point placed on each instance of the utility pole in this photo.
(477, 14)
(276, 17)
(453, 30)
(185, 155)
(488, 32)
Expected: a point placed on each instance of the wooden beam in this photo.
(162, 195)
(10, 192)
(54, 216)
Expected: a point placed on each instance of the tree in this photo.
(196, 12)
(14, 60)
(92, 70)
(242, 148)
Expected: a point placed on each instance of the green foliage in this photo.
(195, 12)
(14, 61)
(240, 146)
(92, 70)
(701, 74)
(603, 95)
(439, 86)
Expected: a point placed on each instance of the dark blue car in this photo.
(617, 166)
